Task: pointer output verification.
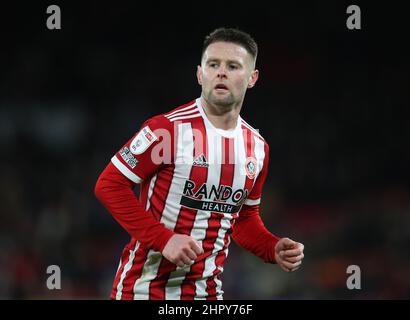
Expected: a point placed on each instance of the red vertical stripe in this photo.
(249, 140)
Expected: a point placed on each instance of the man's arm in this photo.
(116, 193)
(114, 188)
(250, 233)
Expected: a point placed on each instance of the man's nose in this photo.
(222, 72)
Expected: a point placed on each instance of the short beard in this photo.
(224, 104)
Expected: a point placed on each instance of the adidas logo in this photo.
(200, 161)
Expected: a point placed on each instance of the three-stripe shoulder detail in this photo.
(184, 112)
(254, 131)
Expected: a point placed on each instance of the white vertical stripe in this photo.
(239, 179)
(201, 289)
(183, 163)
(150, 191)
(127, 267)
(173, 287)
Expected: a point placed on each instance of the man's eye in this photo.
(233, 66)
(213, 65)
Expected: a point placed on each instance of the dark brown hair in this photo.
(234, 36)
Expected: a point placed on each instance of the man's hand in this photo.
(182, 250)
(289, 254)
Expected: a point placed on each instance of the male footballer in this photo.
(201, 169)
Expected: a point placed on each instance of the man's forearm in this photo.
(116, 193)
(250, 233)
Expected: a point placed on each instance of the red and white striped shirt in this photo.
(196, 180)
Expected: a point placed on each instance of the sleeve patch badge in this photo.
(142, 140)
(128, 157)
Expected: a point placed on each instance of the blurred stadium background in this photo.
(332, 103)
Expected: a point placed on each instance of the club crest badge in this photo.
(142, 140)
(250, 167)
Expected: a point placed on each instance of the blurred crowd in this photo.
(332, 105)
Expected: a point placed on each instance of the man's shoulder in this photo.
(184, 112)
(247, 126)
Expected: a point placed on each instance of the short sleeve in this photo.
(147, 151)
(254, 197)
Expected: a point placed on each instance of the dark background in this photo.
(332, 103)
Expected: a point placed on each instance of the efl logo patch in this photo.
(250, 167)
(147, 133)
(142, 140)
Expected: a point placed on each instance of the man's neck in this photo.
(221, 119)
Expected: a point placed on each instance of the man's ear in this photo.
(253, 78)
(199, 74)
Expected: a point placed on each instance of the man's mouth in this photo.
(221, 88)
